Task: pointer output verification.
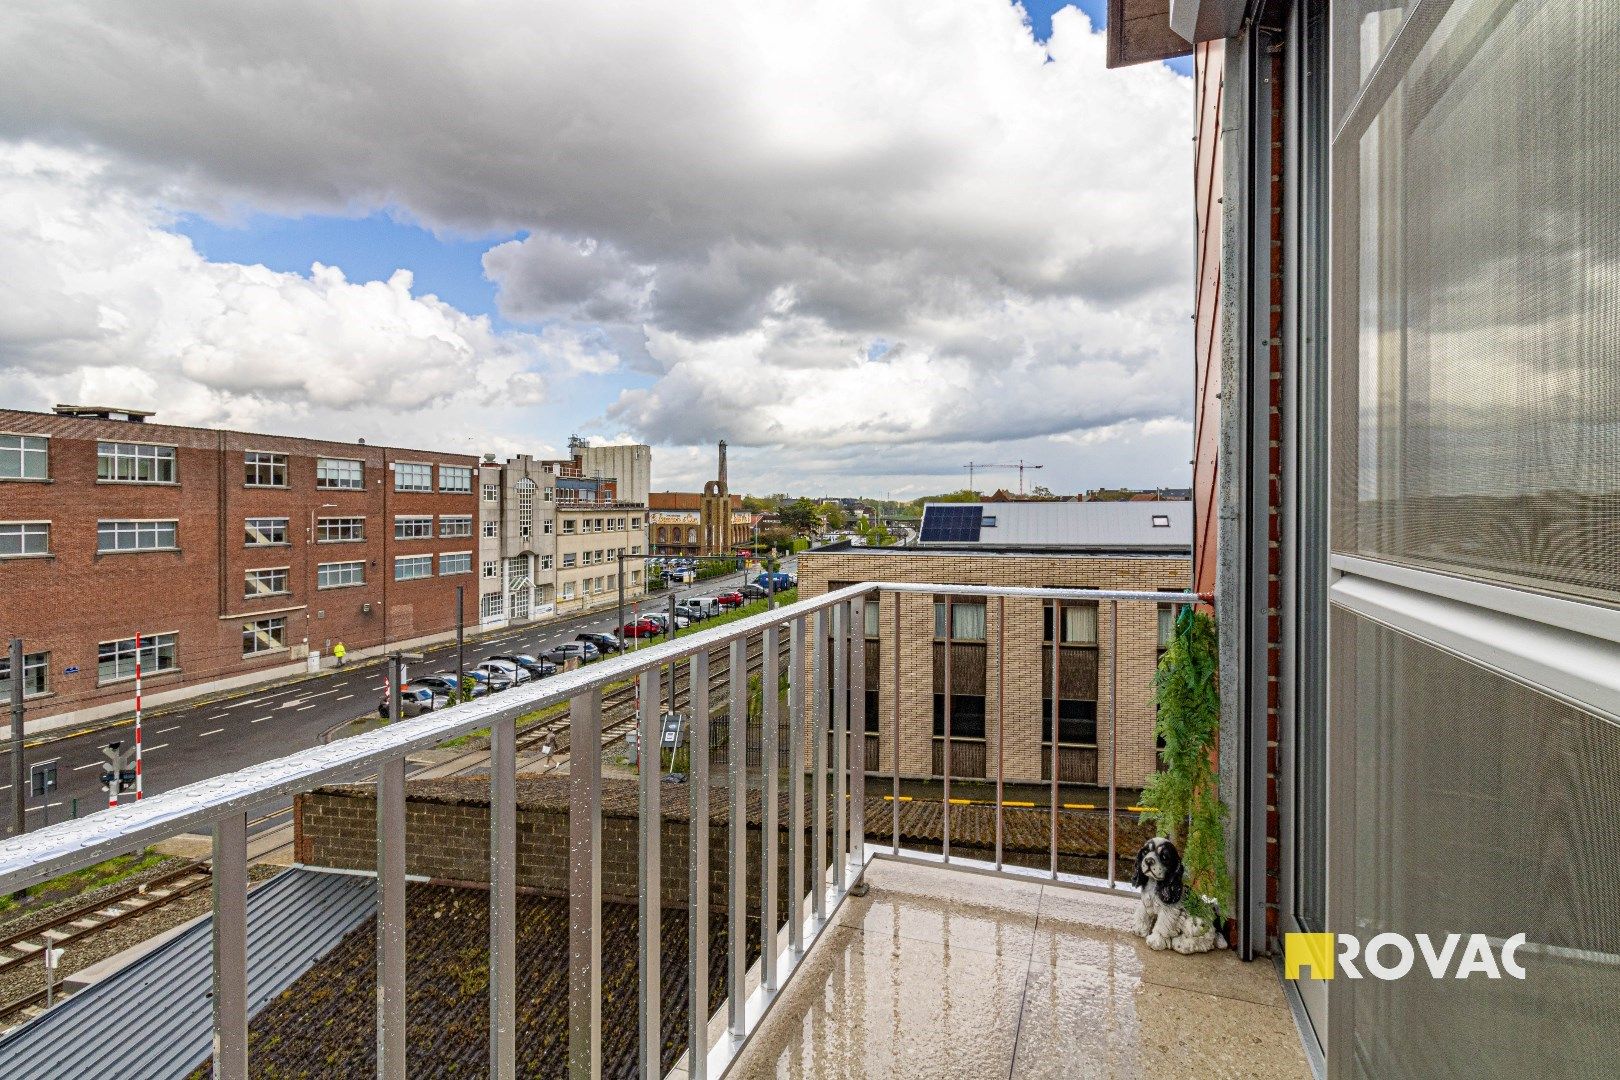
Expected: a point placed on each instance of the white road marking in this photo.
(323, 693)
(31, 808)
(159, 746)
(205, 734)
(292, 703)
(165, 730)
(306, 708)
(345, 697)
(266, 717)
(249, 701)
(81, 768)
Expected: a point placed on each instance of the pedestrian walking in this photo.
(340, 652)
(548, 750)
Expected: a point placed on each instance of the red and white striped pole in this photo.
(138, 791)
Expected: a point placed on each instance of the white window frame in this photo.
(248, 527)
(465, 568)
(423, 562)
(139, 531)
(284, 572)
(328, 478)
(413, 526)
(157, 647)
(25, 529)
(135, 455)
(491, 568)
(39, 664)
(492, 529)
(340, 575)
(492, 492)
(24, 452)
(492, 605)
(455, 525)
(422, 469)
(275, 627)
(255, 460)
(458, 469)
(342, 530)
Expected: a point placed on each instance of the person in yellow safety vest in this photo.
(339, 651)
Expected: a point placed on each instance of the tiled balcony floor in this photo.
(938, 973)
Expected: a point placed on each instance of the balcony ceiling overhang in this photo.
(1143, 31)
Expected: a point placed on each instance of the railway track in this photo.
(86, 920)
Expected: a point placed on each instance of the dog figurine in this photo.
(1162, 919)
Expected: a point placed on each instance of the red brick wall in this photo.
(67, 603)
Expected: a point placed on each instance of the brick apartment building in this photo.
(237, 557)
(1049, 545)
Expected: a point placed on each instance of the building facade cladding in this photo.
(588, 538)
(629, 465)
(678, 527)
(1026, 665)
(75, 598)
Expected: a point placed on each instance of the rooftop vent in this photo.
(102, 412)
(1161, 521)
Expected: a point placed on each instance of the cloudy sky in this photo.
(864, 242)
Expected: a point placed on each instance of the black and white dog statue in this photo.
(1163, 919)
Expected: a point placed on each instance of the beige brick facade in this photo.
(1013, 684)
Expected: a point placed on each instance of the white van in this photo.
(709, 604)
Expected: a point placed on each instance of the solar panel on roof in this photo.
(951, 524)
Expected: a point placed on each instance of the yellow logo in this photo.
(1314, 951)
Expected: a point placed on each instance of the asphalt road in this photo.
(188, 743)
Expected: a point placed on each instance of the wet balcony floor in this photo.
(940, 973)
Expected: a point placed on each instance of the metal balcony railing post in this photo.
(737, 879)
(1001, 722)
(856, 740)
(840, 744)
(503, 900)
(894, 783)
(818, 770)
(391, 920)
(769, 833)
(796, 706)
(585, 886)
(650, 820)
(1057, 726)
(945, 794)
(230, 948)
(697, 871)
(1113, 743)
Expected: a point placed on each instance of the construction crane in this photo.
(974, 466)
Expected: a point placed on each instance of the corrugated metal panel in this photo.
(154, 1019)
(1113, 526)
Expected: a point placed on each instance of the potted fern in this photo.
(1184, 797)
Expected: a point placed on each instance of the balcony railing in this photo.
(825, 852)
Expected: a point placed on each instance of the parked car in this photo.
(751, 591)
(640, 628)
(605, 643)
(783, 581)
(444, 682)
(662, 619)
(496, 680)
(707, 604)
(414, 700)
(583, 651)
(534, 665)
(693, 612)
(729, 599)
(514, 672)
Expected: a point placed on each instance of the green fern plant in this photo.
(1185, 796)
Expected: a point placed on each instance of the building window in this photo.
(568, 590)
(613, 581)
(340, 473)
(135, 463)
(263, 532)
(1079, 624)
(25, 538)
(116, 659)
(545, 562)
(550, 494)
(1077, 722)
(411, 567)
(1168, 614)
(268, 582)
(410, 476)
(635, 549)
(967, 620)
(988, 521)
(491, 528)
(491, 568)
(340, 530)
(264, 470)
(871, 618)
(24, 457)
(491, 604)
(635, 577)
(525, 501)
(459, 562)
(35, 673)
(135, 535)
(568, 560)
(967, 716)
(492, 492)
(413, 528)
(338, 575)
(456, 479)
(568, 526)
(635, 523)
(455, 525)
(545, 527)
(263, 636)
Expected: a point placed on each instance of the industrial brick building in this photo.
(236, 557)
(708, 522)
(1000, 642)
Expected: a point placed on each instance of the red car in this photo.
(640, 628)
(729, 599)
